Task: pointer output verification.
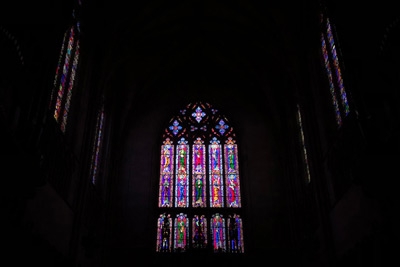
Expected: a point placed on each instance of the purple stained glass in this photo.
(166, 174)
(199, 114)
(196, 173)
(182, 174)
(218, 233)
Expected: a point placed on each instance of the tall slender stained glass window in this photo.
(199, 183)
(333, 71)
(167, 172)
(232, 174)
(181, 232)
(182, 174)
(65, 76)
(303, 145)
(216, 183)
(164, 229)
(199, 173)
(235, 234)
(218, 233)
(199, 232)
(97, 145)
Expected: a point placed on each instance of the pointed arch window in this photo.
(199, 183)
(333, 71)
(65, 76)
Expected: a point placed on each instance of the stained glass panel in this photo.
(199, 231)
(218, 233)
(167, 172)
(164, 229)
(181, 233)
(235, 234)
(97, 145)
(216, 172)
(333, 71)
(232, 174)
(182, 174)
(199, 173)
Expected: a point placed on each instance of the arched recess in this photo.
(199, 193)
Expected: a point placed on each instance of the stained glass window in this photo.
(303, 145)
(232, 174)
(333, 71)
(235, 234)
(164, 230)
(218, 233)
(199, 173)
(97, 145)
(216, 184)
(181, 232)
(65, 76)
(199, 183)
(182, 175)
(199, 232)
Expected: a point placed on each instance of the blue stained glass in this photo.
(199, 114)
(175, 127)
(221, 126)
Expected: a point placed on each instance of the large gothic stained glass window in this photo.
(199, 198)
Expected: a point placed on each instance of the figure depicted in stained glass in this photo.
(198, 159)
(181, 188)
(231, 160)
(215, 158)
(218, 234)
(181, 238)
(182, 157)
(199, 189)
(216, 189)
(167, 160)
(166, 193)
(232, 190)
